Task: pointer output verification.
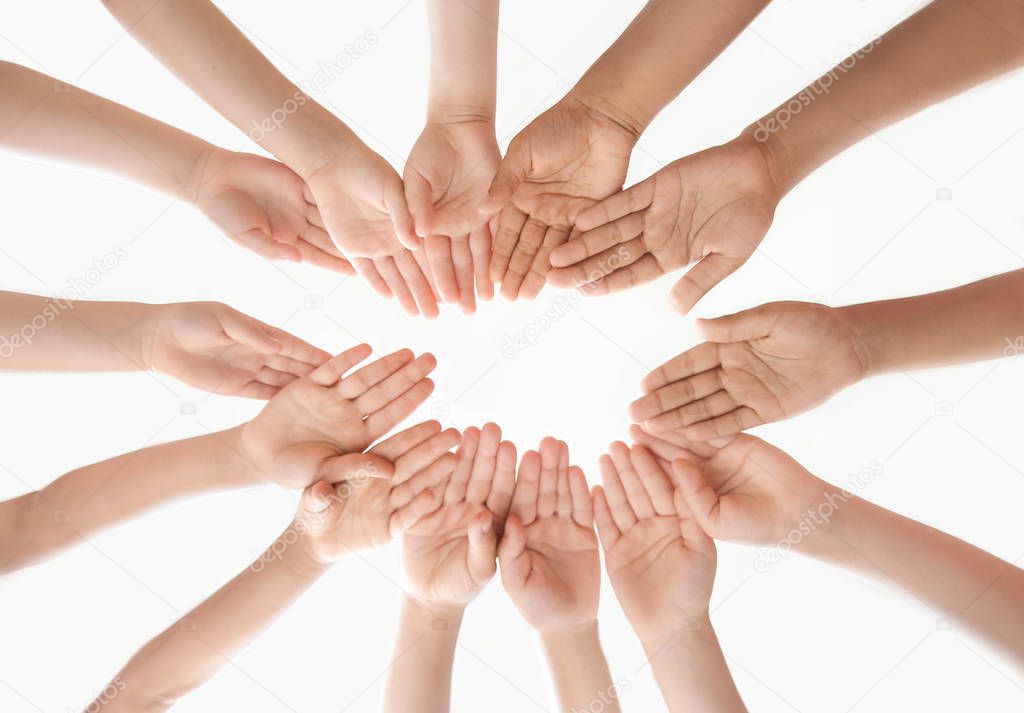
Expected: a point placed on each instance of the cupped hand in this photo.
(712, 208)
(214, 347)
(449, 554)
(660, 562)
(549, 561)
(300, 435)
(264, 206)
(758, 366)
(564, 161)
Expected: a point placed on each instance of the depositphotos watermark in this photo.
(1014, 347)
(77, 288)
(326, 73)
(605, 697)
(102, 698)
(780, 120)
(815, 517)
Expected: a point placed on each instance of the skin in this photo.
(453, 162)
(552, 572)
(448, 556)
(306, 433)
(360, 197)
(204, 344)
(662, 568)
(777, 360)
(258, 203)
(193, 649)
(749, 492)
(576, 153)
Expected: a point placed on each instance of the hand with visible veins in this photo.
(449, 555)
(563, 162)
(301, 434)
(712, 208)
(758, 366)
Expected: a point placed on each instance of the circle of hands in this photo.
(463, 221)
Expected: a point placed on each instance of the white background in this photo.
(802, 637)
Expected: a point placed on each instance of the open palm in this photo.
(712, 208)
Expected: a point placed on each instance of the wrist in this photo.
(435, 616)
(684, 632)
(465, 111)
(862, 322)
(569, 637)
(295, 547)
(602, 104)
(240, 464)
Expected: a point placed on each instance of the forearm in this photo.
(579, 669)
(88, 500)
(947, 47)
(193, 649)
(420, 676)
(691, 671)
(207, 52)
(463, 59)
(665, 47)
(978, 321)
(970, 587)
(53, 334)
(41, 116)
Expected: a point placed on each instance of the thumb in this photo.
(699, 496)
(515, 566)
(356, 468)
(699, 279)
(482, 545)
(419, 199)
(401, 218)
(737, 327)
(319, 507)
(510, 174)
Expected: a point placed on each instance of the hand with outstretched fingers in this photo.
(299, 436)
(449, 554)
(712, 208)
(549, 560)
(563, 162)
(660, 562)
(365, 510)
(760, 365)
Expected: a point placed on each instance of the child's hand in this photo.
(660, 563)
(449, 554)
(362, 202)
(563, 162)
(214, 347)
(366, 510)
(758, 366)
(453, 265)
(746, 491)
(549, 561)
(713, 207)
(301, 434)
(262, 205)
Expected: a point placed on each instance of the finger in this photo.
(510, 174)
(261, 243)
(535, 280)
(547, 494)
(600, 281)
(384, 420)
(426, 300)
(675, 395)
(662, 448)
(319, 508)
(708, 272)
(356, 467)
(456, 490)
(462, 260)
(328, 373)
(563, 498)
(396, 284)
(439, 257)
(582, 503)
(726, 425)
(618, 504)
(739, 327)
(312, 215)
(524, 499)
(717, 404)
(597, 241)
(395, 385)
(510, 224)
(607, 531)
(702, 357)
(313, 255)
(503, 484)
(530, 240)
(700, 497)
(633, 199)
(654, 480)
(480, 249)
(358, 382)
(484, 463)
(483, 543)
(638, 498)
(401, 218)
(368, 271)
(296, 367)
(419, 199)
(425, 478)
(411, 463)
(258, 390)
(250, 332)
(398, 445)
(273, 377)
(407, 516)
